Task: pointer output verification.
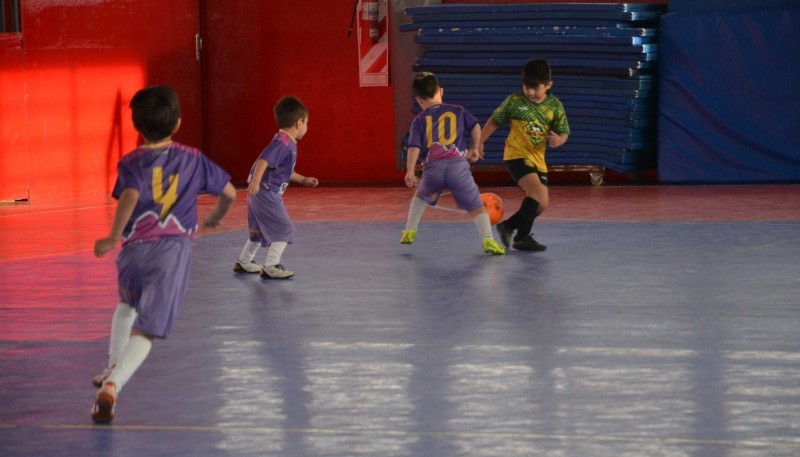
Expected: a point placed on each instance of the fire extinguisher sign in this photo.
(373, 43)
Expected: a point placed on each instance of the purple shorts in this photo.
(267, 219)
(152, 278)
(453, 174)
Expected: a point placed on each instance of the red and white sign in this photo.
(373, 43)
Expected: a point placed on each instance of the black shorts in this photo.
(518, 168)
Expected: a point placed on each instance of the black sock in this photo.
(511, 222)
(525, 216)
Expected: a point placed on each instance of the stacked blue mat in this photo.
(604, 70)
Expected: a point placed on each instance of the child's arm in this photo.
(555, 140)
(304, 180)
(412, 154)
(258, 173)
(125, 206)
(474, 144)
(224, 203)
(488, 130)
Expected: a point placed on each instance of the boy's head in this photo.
(288, 111)
(536, 80)
(292, 116)
(535, 72)
(156, 112)
(426, 86)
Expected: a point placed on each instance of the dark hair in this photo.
(535, 72)
(288, 111)
(155, 112)
(425, 85)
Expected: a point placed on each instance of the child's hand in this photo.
(474, 155)
(102, 246)
(209, 223)
(253, 188)
(310, 182)
(411, 180)
(554, 140)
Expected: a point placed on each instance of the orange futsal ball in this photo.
(494, 207)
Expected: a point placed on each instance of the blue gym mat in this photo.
(604, 58)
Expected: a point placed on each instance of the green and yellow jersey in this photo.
(530, 124)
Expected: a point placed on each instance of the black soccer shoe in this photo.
(504, 233)
(528, 244)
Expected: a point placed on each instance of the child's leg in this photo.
(121, 325)
(131, 358)
(535, 202)
(468, 197)
(482, 222)
(272, 265)
(249, 251)
(481, 219)
(245, 263)
(527, 213)
(274, 253)
(128, 362)
(415, 211)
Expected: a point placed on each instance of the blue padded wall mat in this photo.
(644, 49)
(484, 27)
(515, 63)
(574, 22)
(604, 58)
(718, 6)
(730, 117)
(540, 8)
(521, 37)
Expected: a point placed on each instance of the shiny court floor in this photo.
(661, 321)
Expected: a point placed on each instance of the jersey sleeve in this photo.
(416, 134)
(469, 121)
(125, 180)
(501, 114)
(216, 178)
(560, 124)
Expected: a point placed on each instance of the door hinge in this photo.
(198, 46)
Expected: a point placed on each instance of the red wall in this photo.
(254, 55)
(66, 81)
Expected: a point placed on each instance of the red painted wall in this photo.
(66, 81)
(254, 54)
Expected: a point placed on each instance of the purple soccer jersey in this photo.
(281, 155)
(442, 131)
(168, 179)
(267, 218)
(153, 266)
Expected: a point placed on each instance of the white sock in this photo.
(130, 360)
(121, 325)
(415, 211)
(484, 225)
(249, 251)
(274, 253)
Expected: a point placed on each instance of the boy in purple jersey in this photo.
(156, 188)
(267, 220)
(450, 135)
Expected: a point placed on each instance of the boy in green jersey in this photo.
(537, 119)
